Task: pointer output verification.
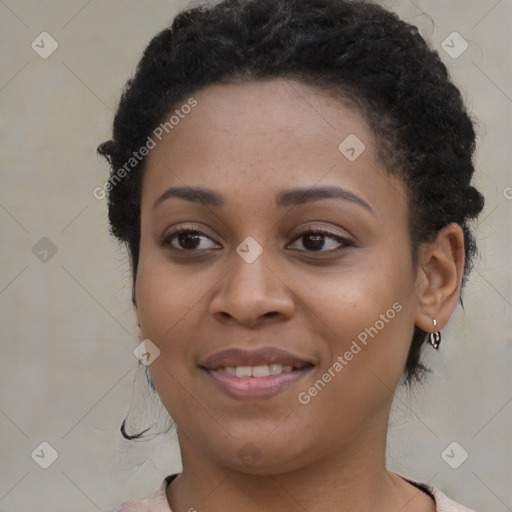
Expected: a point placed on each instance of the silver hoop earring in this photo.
(434, 338)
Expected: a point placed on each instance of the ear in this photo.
(439, 280)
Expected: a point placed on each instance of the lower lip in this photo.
(251, 388)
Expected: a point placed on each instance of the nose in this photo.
(251, 292)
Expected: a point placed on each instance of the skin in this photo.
(248, 142)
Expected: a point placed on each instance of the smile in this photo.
(263, 370)
(254, 374)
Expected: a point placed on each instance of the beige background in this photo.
(68, 330)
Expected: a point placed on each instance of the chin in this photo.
(260, 456)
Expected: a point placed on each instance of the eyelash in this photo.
(345, 244)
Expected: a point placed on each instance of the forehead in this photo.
(266, 135)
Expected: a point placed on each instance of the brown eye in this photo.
(188, 240)
(322, 241)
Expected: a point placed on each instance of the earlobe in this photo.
(440, 277)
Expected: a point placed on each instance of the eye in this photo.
(314, 240)
(187, 239)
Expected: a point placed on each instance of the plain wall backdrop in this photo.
(68, 329)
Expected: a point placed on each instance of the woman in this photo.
(292, 180)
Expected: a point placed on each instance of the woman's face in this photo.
(254, 287)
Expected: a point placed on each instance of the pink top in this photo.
(157, 502)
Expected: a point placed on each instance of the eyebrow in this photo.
(298, 196)
(195, 194)
(291, 197)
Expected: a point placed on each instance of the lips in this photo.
(262, 356)
(256, 374)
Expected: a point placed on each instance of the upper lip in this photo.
(260, 356)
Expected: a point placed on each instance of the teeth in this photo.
(276, 369)
(243, 371)
(263, 370)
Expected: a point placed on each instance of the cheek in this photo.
(366, 331)
(352, 298)
(165, 306)
(167, 300)
(365, 314)
(166, 293)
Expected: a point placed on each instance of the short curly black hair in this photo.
(353, 50)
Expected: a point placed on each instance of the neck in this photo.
(353, 478)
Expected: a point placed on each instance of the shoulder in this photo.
(443, 503)
(157, 502)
